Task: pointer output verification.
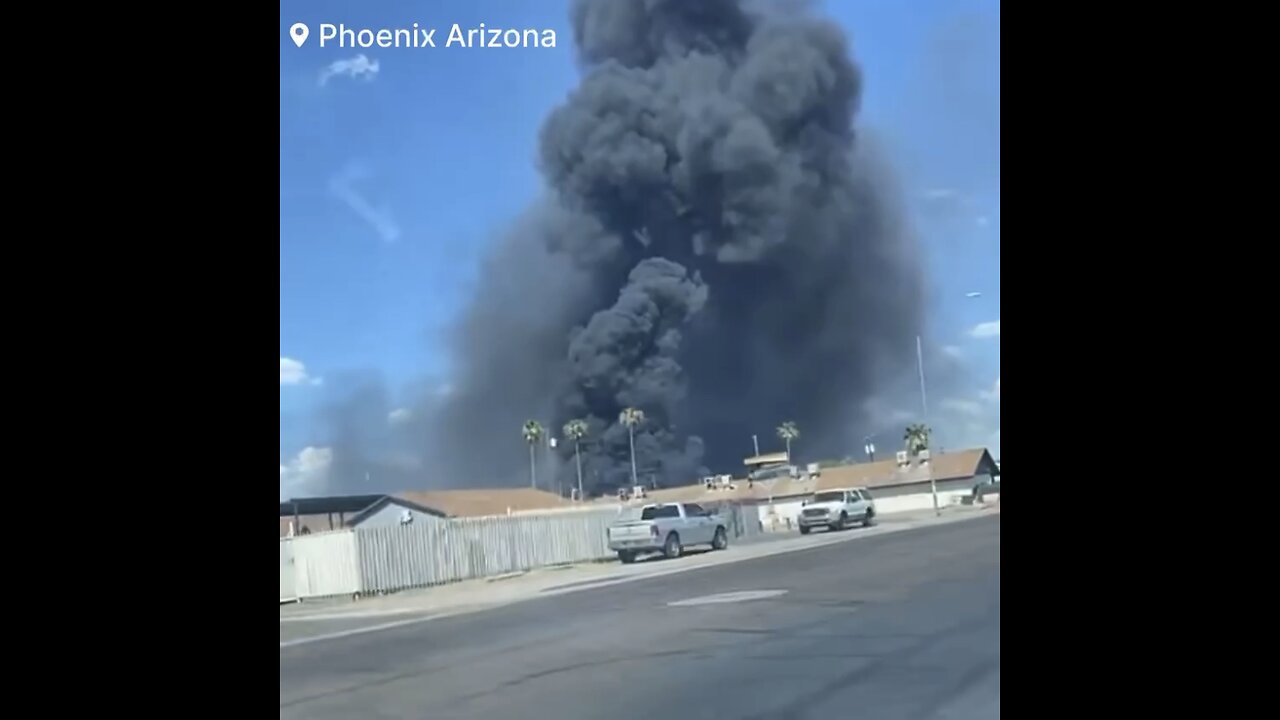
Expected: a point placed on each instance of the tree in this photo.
(532, 432)
(575, 430)
(916, 438)
(631, 417)
(788, 432)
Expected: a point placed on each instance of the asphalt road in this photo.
(890, 627)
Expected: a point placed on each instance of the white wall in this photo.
(325, 564)
(782, 515)
(406, 556)
(919, 496)
(288, 574)
(919, 501)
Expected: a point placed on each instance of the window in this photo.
(660, 511)
(694, 510)
(866, 495)
(826, 497)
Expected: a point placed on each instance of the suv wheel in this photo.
(671, 548)
(721, 539)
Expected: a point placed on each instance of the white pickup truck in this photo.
(835, 509)
(667, 529)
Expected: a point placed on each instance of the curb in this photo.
(507, 576)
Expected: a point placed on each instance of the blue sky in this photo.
(396, 169)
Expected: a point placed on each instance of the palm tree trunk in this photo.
(533, 468)
(788, 449)
(631, 432)
(577, 454)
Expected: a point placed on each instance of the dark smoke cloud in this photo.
(719, 248)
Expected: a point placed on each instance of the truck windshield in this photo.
(825, 497)
(661, 511)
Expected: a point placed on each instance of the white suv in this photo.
(835, 509)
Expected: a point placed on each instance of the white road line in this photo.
(360, 630)
(350, 615)
(767, 550)
(728, 597)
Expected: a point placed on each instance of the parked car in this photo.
(668, 528)
(836, 509)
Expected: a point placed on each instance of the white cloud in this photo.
(952, 351)
(306, 473)
(986, 330)
(355, 67)
(399, 416)
(380, 219)
(293, 372)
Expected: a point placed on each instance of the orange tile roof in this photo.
(945, 466)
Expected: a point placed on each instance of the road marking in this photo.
(728, 597)
(767, 550)
(348, 615)
(360, 630)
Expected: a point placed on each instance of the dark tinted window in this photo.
(693, 510)
(660, 511)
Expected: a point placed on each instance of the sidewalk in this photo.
(472, 595)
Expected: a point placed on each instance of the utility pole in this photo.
(924, 406)
(756, 442)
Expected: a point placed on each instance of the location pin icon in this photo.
(299, 33)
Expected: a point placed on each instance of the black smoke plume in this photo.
(719, 248)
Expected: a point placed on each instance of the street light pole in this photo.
(551, 443)
(924, 406)
(756, 442)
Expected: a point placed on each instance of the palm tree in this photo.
(575, 430)
(532, 432)
(631, 417)
(788, 432)
(917, 438)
